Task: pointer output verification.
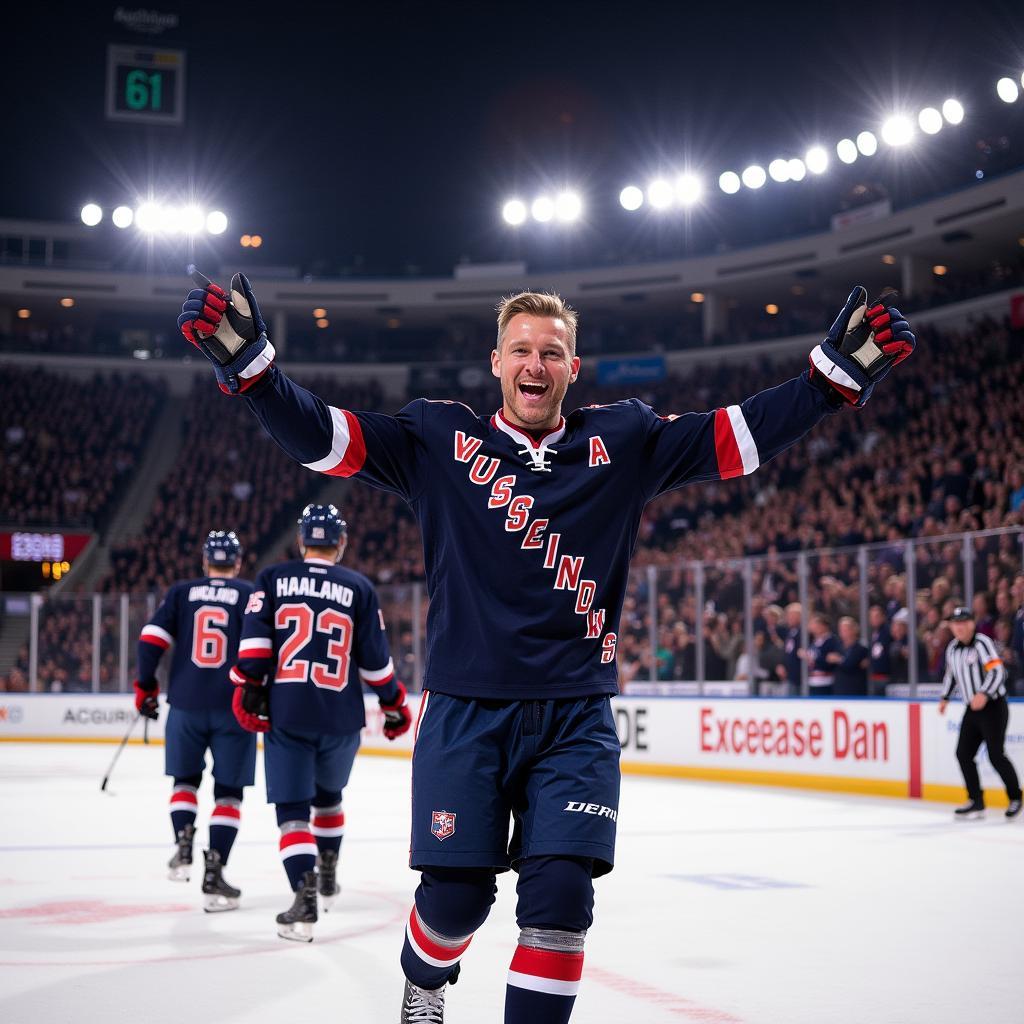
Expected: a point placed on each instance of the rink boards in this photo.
(882, 747)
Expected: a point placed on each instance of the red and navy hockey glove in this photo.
(397, 717)
(229, 330)
(250, 702)
(861, 347)
(146, 699)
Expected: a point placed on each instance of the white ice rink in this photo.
(727, 904)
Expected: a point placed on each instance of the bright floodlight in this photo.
(897, 130)
(729, 182)
(930, 121)
(192, 220)
(1007, 90)
(867, 143)
(778, 170)
(216, 222)
(514, 212)
(91, 215)
(568, 206)
(543, 209)
(846, 150)
(631, 198)
(817, 160)
(797, 169)
(170, 220)
(122, 217)
(754, 176)
(147, 217)
(953, 111)
(689, 189)
(660, 194)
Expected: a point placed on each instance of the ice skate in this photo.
(297, 922)
(975, 809)
(180, 865)
(1014, 809)
(327, 878)
(217, 894)
(422, 1005)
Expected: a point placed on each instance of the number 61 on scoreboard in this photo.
(146, 86)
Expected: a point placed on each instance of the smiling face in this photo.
(535, 364)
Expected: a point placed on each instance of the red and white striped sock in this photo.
(224, 822)
(428, 958)
(542, 983)
(184, 807)
(298, 851)
(328, 826)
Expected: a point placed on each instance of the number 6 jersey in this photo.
(202, 619)
(315, 631)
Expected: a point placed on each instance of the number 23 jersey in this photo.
(315, 631)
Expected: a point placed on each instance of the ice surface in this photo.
(727, 904)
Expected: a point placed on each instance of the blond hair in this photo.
(538, 304)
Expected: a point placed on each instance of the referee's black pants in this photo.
(989, 726)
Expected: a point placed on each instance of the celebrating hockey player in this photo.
(315, 629)
(202, 618)
(528, 521)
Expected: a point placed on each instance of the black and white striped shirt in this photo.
(975, 667)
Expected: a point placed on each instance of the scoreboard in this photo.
(145, 85)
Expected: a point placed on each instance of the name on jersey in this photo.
(306, 586)
(204, 592)
(567, 569)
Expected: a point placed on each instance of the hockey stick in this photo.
(106, 778)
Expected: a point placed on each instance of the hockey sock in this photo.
(451, 904)
(328, 825)
(225, 819)
(298, 848)
(544, 977)
(184, 803)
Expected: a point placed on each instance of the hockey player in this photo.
(528, 521)
(202, 618)
(315, 630)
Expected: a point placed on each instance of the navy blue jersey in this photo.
(527, 543)
(202, 619)
(315, 630)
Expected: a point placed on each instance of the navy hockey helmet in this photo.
(321, 526)
(222, 549)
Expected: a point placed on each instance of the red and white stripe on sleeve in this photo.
(348, 449)
(156, 636)
(378, 676)
(256, 647)
(734, 444)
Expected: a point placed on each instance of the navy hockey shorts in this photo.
(298, 762)
(189, 734)
(552, 765)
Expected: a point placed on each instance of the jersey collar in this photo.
(551, 437)
(318, 561)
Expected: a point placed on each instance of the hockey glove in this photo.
(250, 703)
(146, 700)
(229, 330)
(397, 717)
(861, 347)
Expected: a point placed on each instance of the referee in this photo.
(973, 664)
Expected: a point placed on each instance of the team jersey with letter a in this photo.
(202, 618)
(527, 544)
(315, 630)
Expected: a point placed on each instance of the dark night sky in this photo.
(394, 130)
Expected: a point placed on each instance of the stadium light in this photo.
(797, 170)
(953, 111)
(689, 189)
(867, 143)
(631, 198)
(930, 121)
(816, 160)
(778, 170)
(729, 182)
(754, 176)
(568, 207)
(216, 222)
(660, 194)
(122, 217)
(147, 217)
(192, 220)
(1007, 90)
(514, 212)
(897, 130)
(543, 209)
(169, 220)
(91, 215)
(846, 150)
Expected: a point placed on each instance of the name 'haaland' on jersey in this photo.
(307, 586)
(210, 592)
(568, 569)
